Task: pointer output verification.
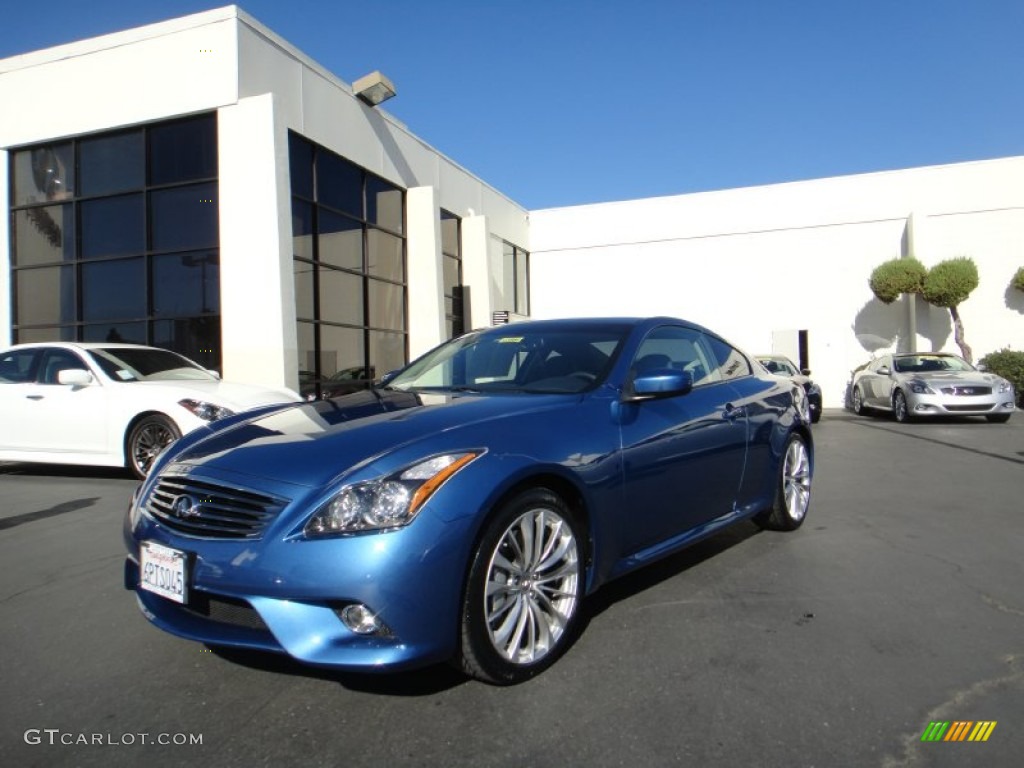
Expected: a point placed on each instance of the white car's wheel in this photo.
(146, 439)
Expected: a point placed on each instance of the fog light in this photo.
(361, 620)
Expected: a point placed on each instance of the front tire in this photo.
(524, 590)
(146, 439)
(793, 494)
(899, 407)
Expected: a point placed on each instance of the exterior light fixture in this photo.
(373, 88)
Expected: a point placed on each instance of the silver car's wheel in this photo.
(145, 441)
(524, 590)
(793, 494)
(899, 407)
(858, 401)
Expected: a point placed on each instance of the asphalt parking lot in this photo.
(899, 603)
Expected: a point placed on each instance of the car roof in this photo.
(84, 345)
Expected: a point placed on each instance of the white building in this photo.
(761, 264)
(201, 184)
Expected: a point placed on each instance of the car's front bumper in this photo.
(286, 596)
(924, 404)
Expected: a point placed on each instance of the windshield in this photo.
(517, 359)
(930, 364)
(145, 364)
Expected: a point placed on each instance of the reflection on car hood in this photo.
(311, 443)
(954, 378)
(237, 397)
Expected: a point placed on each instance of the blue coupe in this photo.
(464, 509)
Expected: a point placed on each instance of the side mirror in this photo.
(982, 367)
(664, 382)
(75, 377)
(805, 371)
(884, 371)
(387, 377)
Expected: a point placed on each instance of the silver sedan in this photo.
(931, 384)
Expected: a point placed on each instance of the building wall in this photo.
(261, 87)
(760, 263)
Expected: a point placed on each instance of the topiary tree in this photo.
(948, 284)
(895, 277)
(1010, 365)
(1018, 280)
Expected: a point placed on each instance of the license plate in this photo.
(162, 571)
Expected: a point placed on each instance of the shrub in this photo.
(950, 282)
(1010, 365)
(896, 277)
(1018, 280)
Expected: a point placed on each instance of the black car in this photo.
(780, 365)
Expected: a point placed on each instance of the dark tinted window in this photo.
(300, 164)
(113, 226)
(114, 290)
(184, 217)
(185, 150)
(186, 283)
(111, 164)
(339, 184)
(731, 363)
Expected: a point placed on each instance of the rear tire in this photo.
(524, 591)
(857, 399)
(146, 439)
(793, 494)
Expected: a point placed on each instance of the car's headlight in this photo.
(386, 502)
(205, 411)
(920, 388)
(1005, 386)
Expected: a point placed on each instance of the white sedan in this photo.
(109, 404)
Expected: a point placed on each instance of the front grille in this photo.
(975, 408)
(956, 391)
(211, 510)
(224, 610)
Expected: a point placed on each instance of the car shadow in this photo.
(63, 470)
(426, 681)
(649, 576)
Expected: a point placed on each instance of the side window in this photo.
(56, 360)
(16, 366)
(674, 347)
(730, 362)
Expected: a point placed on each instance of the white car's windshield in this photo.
(930, 364)
(143, 364)
(517, 359)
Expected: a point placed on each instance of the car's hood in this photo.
(939, 379)
(311, 443)
(237, 397)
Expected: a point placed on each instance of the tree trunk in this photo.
(958, 336)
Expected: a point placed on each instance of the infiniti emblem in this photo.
(185, 507)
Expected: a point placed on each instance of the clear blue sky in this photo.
(560, 102)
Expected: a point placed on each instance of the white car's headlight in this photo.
(920, 388)
(386, 502)
(205, 411)
(1005, 386)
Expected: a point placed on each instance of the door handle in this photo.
(34, 397)
(733, 412)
